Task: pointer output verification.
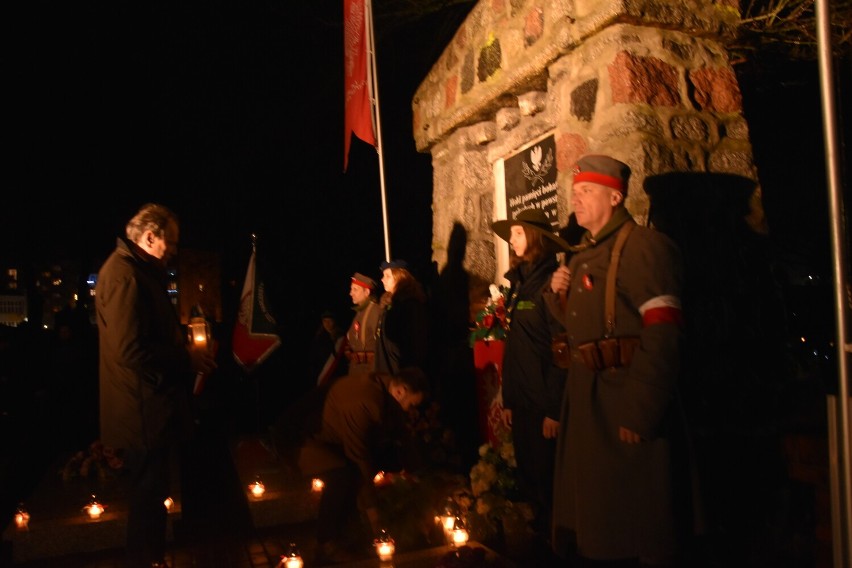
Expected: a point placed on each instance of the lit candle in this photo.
(94, 509)
(449, 514)
(317, 485)
(379, 478)
(169, 503)
(384, 546)
(460, 534)
(22, 518)
(257, 488)
(292, 559)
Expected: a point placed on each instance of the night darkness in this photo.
(233, 115)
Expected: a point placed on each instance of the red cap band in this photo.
(594, 177)
(362, 284)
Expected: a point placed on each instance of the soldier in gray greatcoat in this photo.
(613, 487)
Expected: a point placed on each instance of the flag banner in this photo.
(329, 370)
(358, 107)
(255, 333)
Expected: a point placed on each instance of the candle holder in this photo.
(293, 558)
(22, 518)
(460, 534)
(257, 489)
(200, 338)
(384, 546)
(448, 514)
(94, 509)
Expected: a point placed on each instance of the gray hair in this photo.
(153, 217)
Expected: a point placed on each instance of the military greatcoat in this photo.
(616, 498)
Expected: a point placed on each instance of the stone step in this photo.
(59, 526)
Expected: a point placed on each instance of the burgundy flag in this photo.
(255, 334)
(359, 111)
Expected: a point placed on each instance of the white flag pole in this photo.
(373, 90)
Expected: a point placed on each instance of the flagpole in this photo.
(373, 87)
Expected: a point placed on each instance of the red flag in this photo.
(359, 110)
(255, 336)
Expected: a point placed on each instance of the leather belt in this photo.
(363, 357)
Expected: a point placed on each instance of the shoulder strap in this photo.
(610, 276)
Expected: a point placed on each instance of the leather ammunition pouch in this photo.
(609, 353)
(561, 350)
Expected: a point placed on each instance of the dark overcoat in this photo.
(617, 498)
(402, 332)
(145, 371)
(530, 379)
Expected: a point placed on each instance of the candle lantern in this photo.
(293, 559)
(384, 546)
(449, 514)
(317, 484)
(199, 329)
(257, 488)
(200, 338)
(94, 509)
(460, 534)
(22, 517)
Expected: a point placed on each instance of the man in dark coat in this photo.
(146, 372)
(355, 434)
(613, 491)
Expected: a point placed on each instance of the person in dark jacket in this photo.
(146, 372)
(614, 490)
(402, 333)
(354, 430)
(532, 383)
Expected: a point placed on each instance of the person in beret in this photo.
(532, 383)
(613, 490)
(361, 335)
(402, 333)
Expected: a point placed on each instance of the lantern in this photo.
(257, 488)
(22, 517)
(293, 559)
(460, 534)
(94, 509)
(384, 546)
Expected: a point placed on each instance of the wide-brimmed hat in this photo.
(363, 281)
(531, 219)
(603, 170)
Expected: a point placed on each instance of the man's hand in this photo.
(506, 417)
(203, 361)
(628, 436)
(549, 428)
(560, 280)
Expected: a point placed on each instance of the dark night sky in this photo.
(232, 113)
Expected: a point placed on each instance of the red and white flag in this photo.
(255, 333)
(359, 109)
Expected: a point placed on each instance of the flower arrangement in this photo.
(98, 459)
(492, 322)
(491, 506)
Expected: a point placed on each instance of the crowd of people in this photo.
(594, 433)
